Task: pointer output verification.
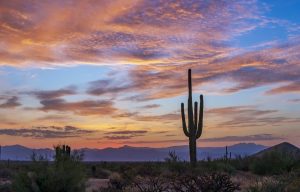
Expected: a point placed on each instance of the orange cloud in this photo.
(87, 107)
(292, 87)
(56, 32)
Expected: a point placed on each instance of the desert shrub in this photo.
(296, 167)
(146, 169)
(98, 172)
(172, 157)
(150, 184)
(272, 163)
(214, 182)
(214, 166)
(267, 185)
(287, 182)
(241, 163)
(116, 184)
(174, 164)
(223, 167)
(65, 174)
(294, 185)
(5, 188)
(94, 169)
(5, 173)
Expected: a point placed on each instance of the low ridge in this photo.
(284, 148)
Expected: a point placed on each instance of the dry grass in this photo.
(94, 184)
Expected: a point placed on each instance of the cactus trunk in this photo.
(193, 150)
(195, 123)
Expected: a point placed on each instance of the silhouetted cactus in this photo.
(62, 152)
(226, 153)
(195, 123)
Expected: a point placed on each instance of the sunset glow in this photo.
(111, 73)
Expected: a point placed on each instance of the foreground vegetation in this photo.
(271, 172)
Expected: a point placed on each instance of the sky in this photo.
(101, 73)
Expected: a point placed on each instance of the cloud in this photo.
(261, 137)
(86, 107)
(151, 106)
(240, 110)
(127, 132)
(294, 100)
(160, 38)
(249, 116)
(55, 118)
(47, 132)
(101, 87)
(12, 102)
(165, 117)
(156, 141)
(124, 135)
(44, 95)
(60, 33)
(292, 87)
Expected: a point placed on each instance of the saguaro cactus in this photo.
(195, 123)
(62, 152)
(226, 153)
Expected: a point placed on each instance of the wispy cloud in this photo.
(183, 34)
(124, 135)
(57, 32)
(86, 107)
(261, 137)
(250, 116)
(48, 132)
(44, 95)
(151, 106)
(239, 110)
(12, 102)
(291, 87)
(294, 100)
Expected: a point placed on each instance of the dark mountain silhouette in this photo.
(128, 153)
(19, 152)
(283, 148)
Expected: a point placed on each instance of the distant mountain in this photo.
(284, 148)
(128, 153)
(21, 153)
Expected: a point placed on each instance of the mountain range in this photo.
(129, 153)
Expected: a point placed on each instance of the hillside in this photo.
(283, 148)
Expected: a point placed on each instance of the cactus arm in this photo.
(183, 121)
(196, 113)
(200, 120)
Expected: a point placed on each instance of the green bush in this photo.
(241, 163)
(273, 163)
(65, 174)
(215, 166)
